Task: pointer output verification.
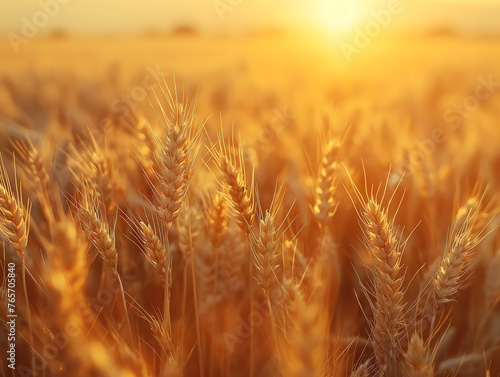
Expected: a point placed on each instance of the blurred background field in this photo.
(414, 81)
(418, 105)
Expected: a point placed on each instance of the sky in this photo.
(239, 16)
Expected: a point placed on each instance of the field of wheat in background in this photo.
(202, 206)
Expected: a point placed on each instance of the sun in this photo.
(342, 15)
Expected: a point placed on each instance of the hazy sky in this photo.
(120, 16)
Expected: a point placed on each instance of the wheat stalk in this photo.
(92, 217)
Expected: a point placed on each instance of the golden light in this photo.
(342, 15)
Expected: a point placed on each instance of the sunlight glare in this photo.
(342, 15)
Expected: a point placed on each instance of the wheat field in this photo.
(206, 206)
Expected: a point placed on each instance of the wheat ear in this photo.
(15, 225)
(361, 371)
(389, 312)
(385, 252)
(458, 258)
(267, 251)
(92, 217)
(304, 350)
(416, 359)
(95, 166)
(34, 168)
(232, 169)
(178, 146)
(93, 220)
(15, 217)
(325, 204)
(155, 249)
(216, 220)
